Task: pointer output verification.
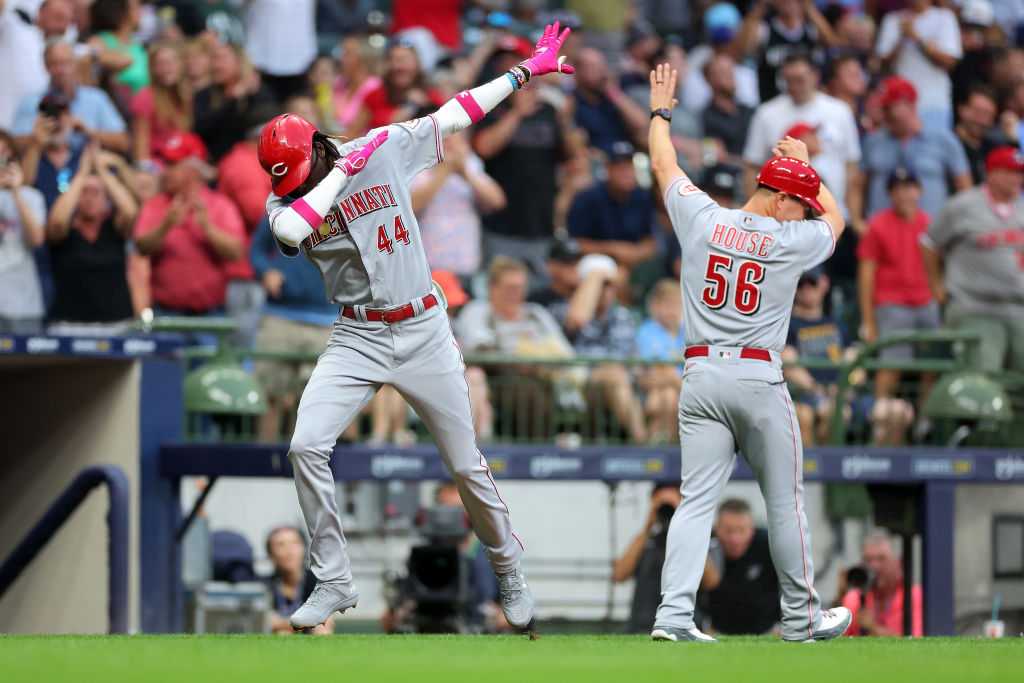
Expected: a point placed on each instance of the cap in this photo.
(182, 146)
(1006, 158)
(895, 89)
(565, 250)
(721, 179)
(794, 177)
(902, 176)
(597, 262)
(450, 287)
(721, 22)
(800, 129)
(977, 13)
(621, 151)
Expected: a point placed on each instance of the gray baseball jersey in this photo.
(368, 248)
(370, 253)
(740, 270)
(983, 251)
(739, 276)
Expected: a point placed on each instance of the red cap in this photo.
(895, 89)
(450, 287)
(800, 129)
(1007, 158)
(181, 146)
(285, 151)
(794, 177)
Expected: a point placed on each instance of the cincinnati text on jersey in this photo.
(749, 242)
(332, 226)
(367, 201)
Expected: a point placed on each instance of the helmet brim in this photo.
(295, 176)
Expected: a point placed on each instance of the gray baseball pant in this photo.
(729, 404)
(420, 358)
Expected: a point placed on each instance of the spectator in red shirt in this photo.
(404, 90)
(878, 611)
(164, 107)
(189, 232)
(441, 17)
(891, 278)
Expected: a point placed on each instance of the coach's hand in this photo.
(663, 87)
(355, 161)
(793, 148)
(545, 59)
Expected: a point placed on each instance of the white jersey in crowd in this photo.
(368, 248)
(740, 270)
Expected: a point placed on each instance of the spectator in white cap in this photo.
(597, 325)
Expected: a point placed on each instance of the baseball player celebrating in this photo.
(347, 206)
(739, 276)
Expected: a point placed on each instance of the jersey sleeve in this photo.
(420, 144)
(810, 242)
(685, 202)
(276, 205)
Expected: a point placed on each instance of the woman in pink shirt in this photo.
(354, 84)
(163, 108)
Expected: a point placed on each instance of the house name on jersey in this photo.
(749, 242)
(367, 201)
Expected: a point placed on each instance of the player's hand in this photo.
(273, 280)
(545, 59)
(355, 161)
(793, 148)
(663, 87)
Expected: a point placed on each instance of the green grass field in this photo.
(562, 659)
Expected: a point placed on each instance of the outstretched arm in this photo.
(664, 164)
(469, 106)
(293, 223)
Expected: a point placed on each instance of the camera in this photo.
(435, 596)
(53, 105)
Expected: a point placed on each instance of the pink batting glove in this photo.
(354, 162)
(545, 59)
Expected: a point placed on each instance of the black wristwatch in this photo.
(663, 113)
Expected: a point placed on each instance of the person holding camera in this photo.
(93, 115)
(87, 232)
(875, 591)
(22, 215)
(645, 555)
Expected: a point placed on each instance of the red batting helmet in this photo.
(286, 151)
(794, 177)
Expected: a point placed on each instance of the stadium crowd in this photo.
(129, 178)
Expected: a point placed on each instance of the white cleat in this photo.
(516, 598)
(833, 624)
(679, 635)
(326, 599)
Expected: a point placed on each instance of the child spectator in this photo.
(892, 282)
(660, 337)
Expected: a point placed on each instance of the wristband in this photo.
(663, 113)
(519, 75)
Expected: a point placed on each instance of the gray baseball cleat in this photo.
(326, 599)
(516, 598)
(679, 635)
(833, 624)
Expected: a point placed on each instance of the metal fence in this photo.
(599, 400)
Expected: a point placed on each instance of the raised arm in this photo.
(469, 106)
(833, 215)
(664, 163)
